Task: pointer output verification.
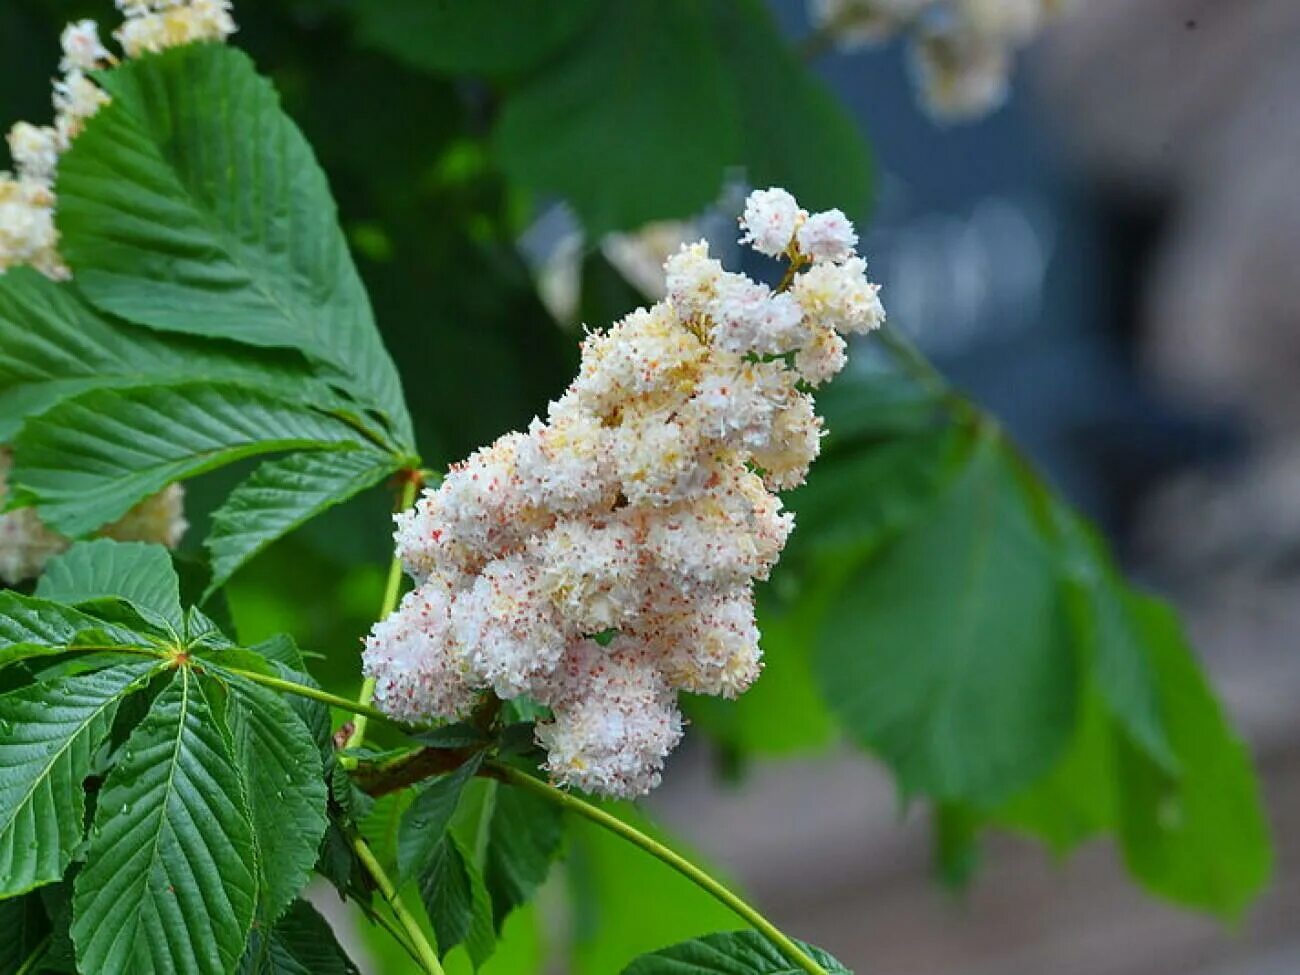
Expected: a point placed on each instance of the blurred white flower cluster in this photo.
(26, 544)
(963, 51)
(27, 232)
(604, 559)
(28, 235)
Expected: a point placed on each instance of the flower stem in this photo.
(315, 693)
(391, 591)
(426, 955)
(656, 849)
(35, 958)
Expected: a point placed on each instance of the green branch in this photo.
(660, 852)
(425, 952)
(392, 589)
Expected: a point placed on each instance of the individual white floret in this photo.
(484, 504)
(418, 671)
(590, 570)
(769, 221)
(27, 232)
(961, 74)
(76, 98)
(714, 649)
(508, 628)
(647, 353)
(738, 399)
(794, 445)
(855, 23)
(425, 544)
(839, 296)
(613, 738)
(719, 539)
(748, 318)
(657, 457)
(563, 464)
(82, 48)
(189, 23)
(159, 518)
(827, 236)
(822, 357)
(692, 279)
(35, 151)
(1015, 21)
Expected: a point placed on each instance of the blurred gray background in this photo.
(1110, 263)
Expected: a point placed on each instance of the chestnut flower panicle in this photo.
(605, 558)
(28, 236)
(962, 51)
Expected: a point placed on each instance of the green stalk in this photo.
(660, 852)
(392, 590)
(303, 690)
(35, 958)
(426, 955)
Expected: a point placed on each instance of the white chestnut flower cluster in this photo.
(27, 232)
(155, 25)
(962, 51)
(26, 544)
(604, 559)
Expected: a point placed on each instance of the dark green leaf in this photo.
(524, 837)
(949, 654)
(23, 927)
(283, 779)
(637, 123)
(447, 883)
(1111, 637)
(170, 881)
(90, 459)
(301, 943)
(31, 627)
(139, 573)
(54, 345)
(1200, 838)
(426, 820)
(48, 736)
(504, 37)
(1077, 798)
(458, 735)
(283, 494)
(794, 132)
(192, 204)
(730, 953)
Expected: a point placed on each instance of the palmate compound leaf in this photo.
(91, 458)
(283, 780)
(283, 494)
(32, 627)
(193, 204)
(425, 820)
(54, 344)
(49, 733)
(525, 834)
(964, 677)
(170, 880)
(300, 943)
(137, 572)
(729, 953)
